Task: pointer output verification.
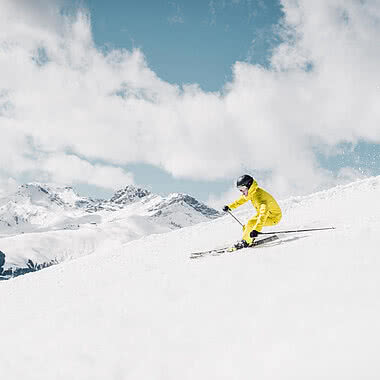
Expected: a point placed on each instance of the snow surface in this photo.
(307, 307)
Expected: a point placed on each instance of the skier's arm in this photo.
(238, 202)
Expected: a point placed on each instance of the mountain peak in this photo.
(176, 205)
(193, 203)
(129, 194)
(41, 193)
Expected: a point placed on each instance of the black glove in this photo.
(253, 234)
(226, 208)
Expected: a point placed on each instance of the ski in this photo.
(219, 251)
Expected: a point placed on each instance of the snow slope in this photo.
(305, 308)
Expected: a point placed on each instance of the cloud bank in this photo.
(66, 105)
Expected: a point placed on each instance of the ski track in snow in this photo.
(307, 308)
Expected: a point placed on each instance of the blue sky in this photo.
(186, 42)
(189, 41)
(198, 42)
(180, 96)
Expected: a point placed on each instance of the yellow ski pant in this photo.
(268, 220)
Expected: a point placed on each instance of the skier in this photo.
(268, 211)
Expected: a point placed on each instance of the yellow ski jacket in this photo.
(265, 205)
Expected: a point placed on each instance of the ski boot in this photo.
(239, 245)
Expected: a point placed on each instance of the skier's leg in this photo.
(269, 220)
(272, 220)
(248, 228)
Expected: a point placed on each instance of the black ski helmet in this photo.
(245, 180)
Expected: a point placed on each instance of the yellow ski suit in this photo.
(268, 210)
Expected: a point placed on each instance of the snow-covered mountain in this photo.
(304, 307)
(44, 224)
(36, 207)
(40, 207)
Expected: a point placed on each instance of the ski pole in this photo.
(293, 231)
(235, 218)
(284, 232)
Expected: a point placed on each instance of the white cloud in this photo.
(7, 186)
(348, 174)
(177, 18)
(217, 201)
(58, 93)
(66, 168)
